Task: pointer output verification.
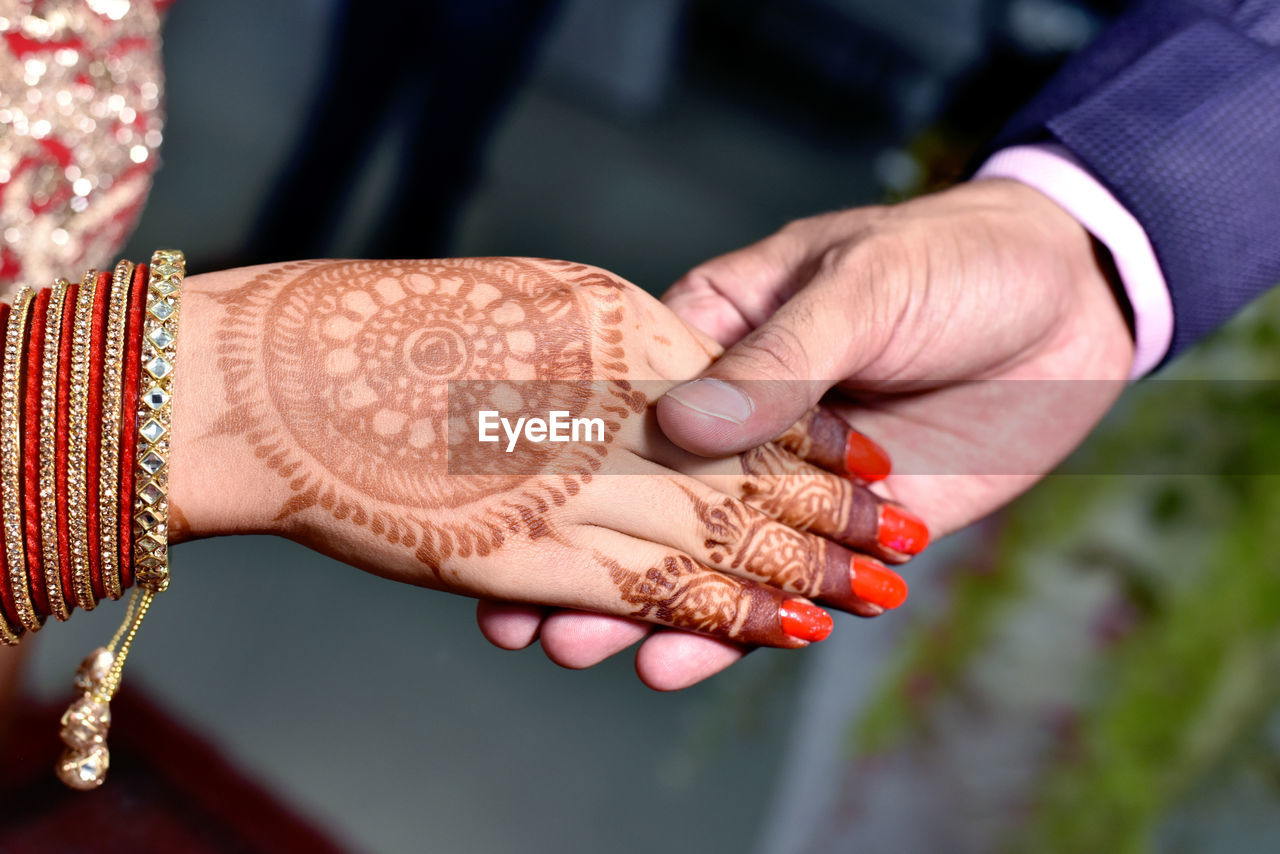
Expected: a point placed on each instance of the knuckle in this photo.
(680, 592)
(869, 279)
(835, 260)
(764, 460)
(875, 247)
(799, 437)
(723, 526)
(802, 228)
(778, 347)
(786, 558)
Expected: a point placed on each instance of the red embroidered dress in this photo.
(80, 127)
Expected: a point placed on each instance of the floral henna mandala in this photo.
(343, 376)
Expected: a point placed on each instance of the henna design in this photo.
(680, 592)
(775, 554)
(819, 437)
(337, 373)
(776, 485)
(179, 527)
(778, 555)
(793, 492)
(825, 440)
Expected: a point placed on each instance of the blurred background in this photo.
(1093, 671)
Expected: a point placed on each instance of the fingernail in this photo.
(804, 621)
(865, 459)
(901, 531)
(715, 398)
(877, 584)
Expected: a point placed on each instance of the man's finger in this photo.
(730, 295)
(578, 639)
(672, 660)
(508, 625)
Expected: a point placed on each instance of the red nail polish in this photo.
(804, 621)
(875, 583)
(865, 459)
(901, 531)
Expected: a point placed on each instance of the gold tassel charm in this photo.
(85, 723)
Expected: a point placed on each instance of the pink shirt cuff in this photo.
(1054, 171)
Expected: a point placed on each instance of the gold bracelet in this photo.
(85, 760)
(77, 445)
(159, 358)
(48, 451)
(109, 470)
(7, 635)
(11, 459)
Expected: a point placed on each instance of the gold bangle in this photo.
(48, 453)
(159, 357)
(11, 459)
(8, 636)
(84, 727)
(77, 445)
(109, 470)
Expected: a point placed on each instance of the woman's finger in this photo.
(827, 441)
(726, 534)
(591, 568)
(800, 495)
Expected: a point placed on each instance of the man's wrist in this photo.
(1053, 171)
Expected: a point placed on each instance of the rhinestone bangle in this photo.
(32, 390)
(109, 467)
(11, 459)
(77, 444)
(48, 452)
(11, 629)
(131, 386)
(159, 355)
(8, 636)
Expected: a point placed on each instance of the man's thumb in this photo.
(762, 385)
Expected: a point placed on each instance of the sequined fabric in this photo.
(80, 127)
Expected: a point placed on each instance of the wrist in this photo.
(215, 484)
(1096, 323)
(1129, 256)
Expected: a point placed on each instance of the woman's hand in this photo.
(336, 403)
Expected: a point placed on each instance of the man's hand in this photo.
(904, 308)
(920, 312)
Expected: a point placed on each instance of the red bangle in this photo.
(93, 445)
(129, 391)
(64, 407)
(7, 604)
(31, 451)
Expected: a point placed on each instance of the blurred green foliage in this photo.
(1177, 536)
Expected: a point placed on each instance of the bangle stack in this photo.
(86, 391)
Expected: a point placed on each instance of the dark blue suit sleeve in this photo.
(1176, 109)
